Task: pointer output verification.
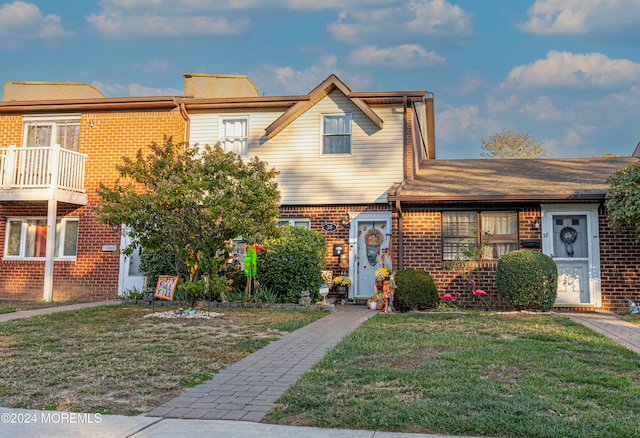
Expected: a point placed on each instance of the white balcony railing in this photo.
(50, 168)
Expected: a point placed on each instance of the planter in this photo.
(372, 305)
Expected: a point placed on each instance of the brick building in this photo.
(359, 167)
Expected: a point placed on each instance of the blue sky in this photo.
(567, 72)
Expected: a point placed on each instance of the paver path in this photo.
(248, 389)
(610, 325)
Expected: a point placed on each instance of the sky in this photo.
(565, 72)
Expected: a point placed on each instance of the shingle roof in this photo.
(510, 180)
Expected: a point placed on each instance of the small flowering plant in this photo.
(382, 273)
(342, 281)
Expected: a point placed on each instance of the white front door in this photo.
(570, 236)
(370, 239)
(130, 276)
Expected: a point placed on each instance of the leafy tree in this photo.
(623, 198)
(192, 201)
(509, 144)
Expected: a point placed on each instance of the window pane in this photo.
(459, 223)
(36, 238)
(15, 234)
(39, 135)
(70, 238)
(499, 223)
(453, 248)
(68, 135)
(336, 144)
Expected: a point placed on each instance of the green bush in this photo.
(156, 262)
(528, 280)
(293, 263)
(415, 290)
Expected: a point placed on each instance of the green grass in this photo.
(110, 359)
(632, 318)
(473, 374)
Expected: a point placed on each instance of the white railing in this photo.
(41, 168)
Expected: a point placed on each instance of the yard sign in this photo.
(166, 287)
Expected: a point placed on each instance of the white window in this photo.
(336, 134)
(234, 135)
(27, 238)
(50, 131)
(295, 222)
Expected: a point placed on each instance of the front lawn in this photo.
(111, 360)
(473, 374)
(10, 306)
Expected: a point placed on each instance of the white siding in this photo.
(306, 176)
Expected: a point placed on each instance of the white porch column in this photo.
(52, 206)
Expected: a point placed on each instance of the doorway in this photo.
(130, 276)
(370, 239)
(570, 237)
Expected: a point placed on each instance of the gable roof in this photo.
(500, 180)
(318, 93)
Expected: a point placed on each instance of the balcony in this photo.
(42, 174)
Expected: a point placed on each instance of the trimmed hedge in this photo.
(528, 280)
(415, 290)
(293, 264)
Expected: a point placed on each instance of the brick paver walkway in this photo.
(248, 389)
(610, 325)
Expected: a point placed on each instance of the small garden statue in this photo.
(633, 307)
(250, 265)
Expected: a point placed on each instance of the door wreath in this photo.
(568, 236)
(372, 239)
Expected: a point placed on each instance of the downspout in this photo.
(400, 233)
(401, 186)
(187, 121)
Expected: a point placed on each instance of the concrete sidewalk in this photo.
(22, 423)
(53, 309)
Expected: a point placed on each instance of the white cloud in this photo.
(117, 25)
(542, 110)
(568, 69)
(287, 80)
(117, 90)
(22, 20)
(403, 56)
(580, 17)
(437, 18)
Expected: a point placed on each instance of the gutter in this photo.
(187, 121)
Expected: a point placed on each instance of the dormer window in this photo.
(336, 134)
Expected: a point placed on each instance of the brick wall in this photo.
(105, 137)
(619, 259)
(619, 267)
(322, 214)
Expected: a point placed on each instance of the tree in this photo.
(192, 201)
(623, 198)
(509, 144)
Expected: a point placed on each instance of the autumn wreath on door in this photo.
(372, 240)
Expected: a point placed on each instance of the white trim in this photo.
(354, 218)
(591, 211)
(226, 117)
(23, 237)
(53, 118)
(322, 134)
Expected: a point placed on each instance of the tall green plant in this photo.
(191, 200)
(623, 199)
(293, 263)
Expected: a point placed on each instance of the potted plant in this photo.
(342, 284)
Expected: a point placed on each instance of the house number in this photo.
(329, 227)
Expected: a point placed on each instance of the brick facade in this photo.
(422, 249)
(105, 137)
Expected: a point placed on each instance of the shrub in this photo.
(293, 263)
(415, 290)
(156, 262)
(528, 280)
